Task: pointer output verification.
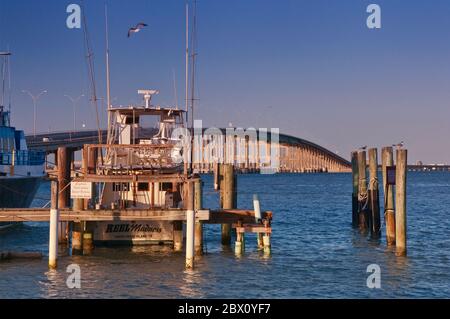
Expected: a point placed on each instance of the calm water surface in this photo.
(315, 251)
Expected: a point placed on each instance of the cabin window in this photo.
(121, 187)
(129, 120)
(143, 187)
(166, 186)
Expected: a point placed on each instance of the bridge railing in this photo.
(29, 158)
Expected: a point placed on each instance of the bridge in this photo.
(292, 154)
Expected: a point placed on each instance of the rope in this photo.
(363, 197)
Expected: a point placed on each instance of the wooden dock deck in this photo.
(222, 216)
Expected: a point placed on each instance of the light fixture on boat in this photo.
(148, 96)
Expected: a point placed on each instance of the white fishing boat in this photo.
(141, 142)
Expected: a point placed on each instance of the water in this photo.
(315, 251)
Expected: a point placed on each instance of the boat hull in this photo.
(133, 233)
(17, 192)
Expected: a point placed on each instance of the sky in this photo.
(311, 68)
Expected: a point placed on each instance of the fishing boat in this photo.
(21, 170)
(142, 141)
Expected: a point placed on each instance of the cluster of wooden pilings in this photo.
(366, 195)
(225, 181)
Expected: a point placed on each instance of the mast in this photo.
(108, 79)
(91, 72)
(187, 62)
(6, 77)
(193, 56)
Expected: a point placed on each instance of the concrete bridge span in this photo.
(284, 153)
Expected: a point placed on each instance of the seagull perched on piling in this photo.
(137, 28)
(399, 145)
(363, 148)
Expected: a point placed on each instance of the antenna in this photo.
(148, 96)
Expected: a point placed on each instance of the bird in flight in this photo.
(136, 29)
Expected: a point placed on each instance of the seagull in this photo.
(136, 29)
(399, 145)
(363, 147)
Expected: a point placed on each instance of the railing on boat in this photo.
(29, 158)
(119, 159)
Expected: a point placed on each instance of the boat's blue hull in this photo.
(17, 192)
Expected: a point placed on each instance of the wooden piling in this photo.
(178, 236)
(198, 189)
(239, 245)
(375, 225)
(216, 176)
(54, 219)
(77, 228)
(228, 194)
(400, 202)
(64, 159)
(355, 177)
(362, 192)
(190, 227)
(88, 243)
(387, 159)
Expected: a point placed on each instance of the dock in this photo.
(228, 216)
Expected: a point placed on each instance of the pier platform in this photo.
(223, 216)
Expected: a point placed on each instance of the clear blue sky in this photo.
(311, 67)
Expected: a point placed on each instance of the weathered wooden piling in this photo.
(400, 202)
(216, 176)
(64, 159)
(239, 245)
(63, 172)
(77, 228)
(190, 226)
(389, 213)
(198, 189)
(355, 178)
(363, 208)
(375, 225)
(54, 220)
(88, 243)
(228, 199)
(177, 236)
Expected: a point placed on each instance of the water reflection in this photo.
(191, 285)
